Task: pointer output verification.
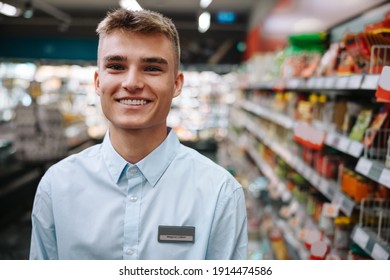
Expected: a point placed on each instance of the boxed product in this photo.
(361, 124)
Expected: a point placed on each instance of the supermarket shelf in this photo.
(368, 241)
(344, 144)
(328, 188)
(270, 115)
(298, 248)
(334, 83)
(374, 170)
(299, 251)
(317, 130)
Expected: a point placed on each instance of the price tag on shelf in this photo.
(307, 172)
(355, 149)
(299, 166)
(355, 82)
(342, 82)
(329, 82)
(323, 186)
(293, 83)
(361, 238)
(330, 139)
(384, 178)
(302, 84)
(311, 83)
(315, 179)
(331, 192)
(292, 161)
(319, 83)
(370, 82)
(343, 144)
(337, 200)
(363, 166)
(348, 205)
(378, 253)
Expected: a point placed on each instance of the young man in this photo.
(140, 194)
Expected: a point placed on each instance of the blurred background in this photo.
(291, 96)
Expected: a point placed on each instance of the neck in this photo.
(134, 145)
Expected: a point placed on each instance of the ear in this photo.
(97, 82)
(179, 81)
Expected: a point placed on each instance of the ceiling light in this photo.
(308, 25)
(204, 22)
(28, 10)
(205, 3)
(130, 5)
(9, 10)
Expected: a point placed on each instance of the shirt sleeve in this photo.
(43, 236)
(229, 236)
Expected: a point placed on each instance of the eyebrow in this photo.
(120, 58)
(111, 58)
(158, 60)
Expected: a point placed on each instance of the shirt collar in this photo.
(152, 166)
(115, 163)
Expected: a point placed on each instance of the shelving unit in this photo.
(261, 126)
(329, 188)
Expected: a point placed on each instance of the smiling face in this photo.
(137, 79)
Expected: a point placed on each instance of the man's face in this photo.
(136, 79)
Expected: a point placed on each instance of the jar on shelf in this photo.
(342, 232)
(346, 180)
(362, 188)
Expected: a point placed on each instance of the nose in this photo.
(133, 80)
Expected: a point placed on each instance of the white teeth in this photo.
(132, 102)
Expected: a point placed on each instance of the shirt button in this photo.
(133, 170)
(133, 198)
(130, 251)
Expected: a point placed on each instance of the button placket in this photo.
(131, 222)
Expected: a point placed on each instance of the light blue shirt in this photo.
(95, 205)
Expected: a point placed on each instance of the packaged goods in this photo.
(379, 120)
(347, 181)
(362, 123)
(303, 55)
(363, 188)
(327, 165)
(329, 61)
(350, 116)
(278, 244)
(343, 228)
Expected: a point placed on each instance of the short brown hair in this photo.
(144, 22)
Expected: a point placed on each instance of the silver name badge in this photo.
(174, 234)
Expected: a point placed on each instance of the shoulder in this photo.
(71, 163)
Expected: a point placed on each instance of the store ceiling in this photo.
(50, 17)
(218, 46)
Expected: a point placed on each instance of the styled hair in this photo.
(143, 22)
